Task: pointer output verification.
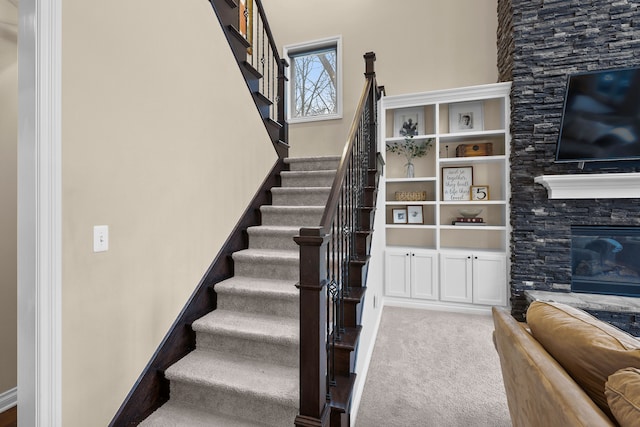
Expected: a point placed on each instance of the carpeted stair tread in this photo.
(323, 189)
(322, 178)
(259, 295)
(298, 209)
(267, 263)
(239, 285)
(232, 373)
(300, 196)
(274, 329)
(308, 174)
(173, 414)
(273, 229)
(301, 216)
(267, 255)
(313, 163)
(273, 237)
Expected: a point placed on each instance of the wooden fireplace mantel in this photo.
(591, 186)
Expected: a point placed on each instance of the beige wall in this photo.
(420, 45)
(8, 195)
(162, 142)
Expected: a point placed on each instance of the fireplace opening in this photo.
(605, 260)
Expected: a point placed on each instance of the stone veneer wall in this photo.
(552, 38)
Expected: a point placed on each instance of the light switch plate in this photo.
(100, 238)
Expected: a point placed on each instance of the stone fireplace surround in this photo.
(540, 42)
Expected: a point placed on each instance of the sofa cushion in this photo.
(588, 349)
(623, 394)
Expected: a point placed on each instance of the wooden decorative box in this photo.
(470, 150)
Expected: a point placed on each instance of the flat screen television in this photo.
(601, 117)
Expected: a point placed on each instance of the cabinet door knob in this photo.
(469, 257)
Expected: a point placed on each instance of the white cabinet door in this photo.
(397, 273)
(455, 277)
(423, 275)
(489, 279)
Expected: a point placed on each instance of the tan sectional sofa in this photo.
(541, 392)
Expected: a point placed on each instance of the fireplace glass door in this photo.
(605, 260)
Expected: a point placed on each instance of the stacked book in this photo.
(468, 221)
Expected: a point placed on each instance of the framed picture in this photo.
(466, 117)
(457, 182)
(399, 216)
(414, 214)
(479, 192)
(408, 121)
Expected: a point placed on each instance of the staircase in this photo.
(244, 370)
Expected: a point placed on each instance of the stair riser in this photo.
(301, 198)
(285, 307)
(311, 179)
(345, 362)
(278, 354)
(367, 217)
(234, 403)
(291, 218)
(314, 165)
(267, 270)
(272, 241)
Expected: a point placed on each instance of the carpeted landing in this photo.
(433, 368)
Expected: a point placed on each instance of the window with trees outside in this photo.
(315, 91)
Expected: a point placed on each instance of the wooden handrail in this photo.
(330, 256)
(267, 30)
(334, 194)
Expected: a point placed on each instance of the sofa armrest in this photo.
(539, 391)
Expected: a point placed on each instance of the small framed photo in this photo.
(399, 216)
(408, 122)
(466, 117)
(479, 192)
(414, 214)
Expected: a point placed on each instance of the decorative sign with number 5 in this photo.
(479, 192)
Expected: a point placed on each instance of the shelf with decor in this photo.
(446, 181)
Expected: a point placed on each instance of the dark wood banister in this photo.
(314, 397)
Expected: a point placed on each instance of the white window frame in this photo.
(291, 50)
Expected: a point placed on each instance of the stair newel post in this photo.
(282, 101)
(370, 74)
(314, 410)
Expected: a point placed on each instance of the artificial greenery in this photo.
(410, 148)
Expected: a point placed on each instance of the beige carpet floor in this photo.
(433, 368)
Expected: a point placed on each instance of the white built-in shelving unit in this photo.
(434, 260)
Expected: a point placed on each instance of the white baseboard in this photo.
(8, 399)
(437, 305)
(362, 375)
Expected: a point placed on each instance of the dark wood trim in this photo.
(151, 389)
(9, 418)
